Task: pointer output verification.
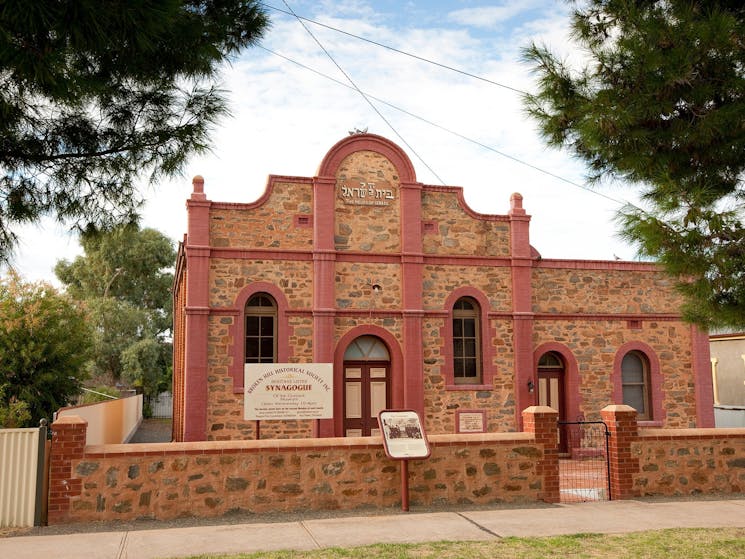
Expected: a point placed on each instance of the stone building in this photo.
(419, 303)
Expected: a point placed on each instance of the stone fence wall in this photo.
(119, 482)
(648, 462)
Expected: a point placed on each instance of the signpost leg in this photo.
(405, 485)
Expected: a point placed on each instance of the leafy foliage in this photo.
(95, 94)
(662, 105)
(124, 278)
(44, 346)
(13, 412)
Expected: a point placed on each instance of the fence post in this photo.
(542, 421)
(624, 430)
(68, 444)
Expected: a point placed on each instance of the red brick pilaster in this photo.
(68, 444)
(521, 266)
(622, 424)
(542, 422)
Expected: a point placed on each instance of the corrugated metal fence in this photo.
(22, 476)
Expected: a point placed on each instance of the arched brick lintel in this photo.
(367, 142)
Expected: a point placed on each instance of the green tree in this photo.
(661, 104)
(13, 412)
(125, 279)
(44, 347)
(95, 95)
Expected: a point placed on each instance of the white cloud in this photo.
(490, 17)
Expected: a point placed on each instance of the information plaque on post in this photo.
(404, 439)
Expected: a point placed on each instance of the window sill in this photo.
(471, 387)
(649, 423)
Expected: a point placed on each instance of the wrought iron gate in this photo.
(584, 472)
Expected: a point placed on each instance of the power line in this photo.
(448, 130)
(382, 45)
(372, 105)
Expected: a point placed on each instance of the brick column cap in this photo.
(69, 420)
(616, 408)
(540, 409)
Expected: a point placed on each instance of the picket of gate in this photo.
(583, 470)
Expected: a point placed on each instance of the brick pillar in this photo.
(522, 314)
(542, 422)
(622, 424)
(68, 444)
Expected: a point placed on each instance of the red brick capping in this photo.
(623, 428)
(542, 422)
(68, 445)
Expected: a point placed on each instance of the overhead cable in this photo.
(382, 45)
(448, 130)
(365, 97)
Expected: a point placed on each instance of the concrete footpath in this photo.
(347, 531)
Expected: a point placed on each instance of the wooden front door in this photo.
(551, 389)
(366, 392)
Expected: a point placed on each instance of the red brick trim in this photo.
(367, 142)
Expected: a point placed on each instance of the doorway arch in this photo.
(335, 427)
(366, 372)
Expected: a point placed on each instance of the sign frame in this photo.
(288, 391)
(403, 435)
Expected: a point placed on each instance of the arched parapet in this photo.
(368, 142)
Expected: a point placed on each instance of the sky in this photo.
(457, 130)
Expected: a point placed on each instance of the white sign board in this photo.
(288, 391)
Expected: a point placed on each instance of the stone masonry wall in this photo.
(228, 276)
(362, 224)
(120, 482)
(440, 405)
(271, 225)
(604, 291)
(689, 461)
(456, 232)
(439, 281)
(225, 406)
(595, 343)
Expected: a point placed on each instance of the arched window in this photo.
(635, 383)
(466, 342)
(261, 329)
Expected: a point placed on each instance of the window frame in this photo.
(236, 330)
(485, 331)
(460, 315)
(262, 312)
(656, 393)
(645, 384)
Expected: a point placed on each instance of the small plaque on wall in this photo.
(470, 421)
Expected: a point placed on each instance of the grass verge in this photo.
(724, 543)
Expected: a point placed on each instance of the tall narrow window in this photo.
(635, 381)
(261, 329)
(466, 342)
